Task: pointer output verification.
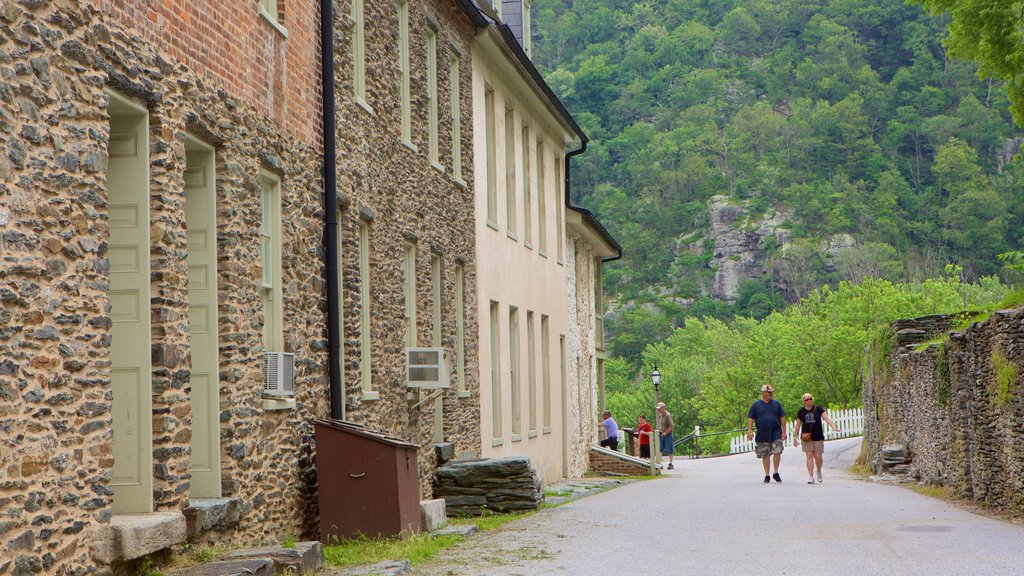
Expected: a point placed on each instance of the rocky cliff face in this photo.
(740, 245)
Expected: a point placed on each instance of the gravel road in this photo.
(717, 517)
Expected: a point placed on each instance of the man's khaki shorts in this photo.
(765, 449)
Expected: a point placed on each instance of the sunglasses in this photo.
(808, 399)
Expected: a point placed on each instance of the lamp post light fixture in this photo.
(656, 380)
(656, 436)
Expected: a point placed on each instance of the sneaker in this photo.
(819, 476)
(670, 466)
(810, 480)
(777, 477)
(767, 478)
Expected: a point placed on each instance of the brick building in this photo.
(161, 220)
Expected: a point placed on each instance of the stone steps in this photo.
(303, 558)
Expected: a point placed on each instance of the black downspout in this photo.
(330, 208)
(568, 176)
(568, 181)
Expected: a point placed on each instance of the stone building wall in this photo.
(405, 199)
(581, 354)
(56, 59)
(959, 409)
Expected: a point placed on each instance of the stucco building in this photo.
(539, 258)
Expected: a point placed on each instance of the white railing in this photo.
(850, 421)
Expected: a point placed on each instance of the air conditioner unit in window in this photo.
(427, 368)
(278, 374)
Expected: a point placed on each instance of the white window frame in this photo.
(410, 294)
(497, 438)
(432, 129)
(365, 314)
(270, 254)
(455, 92)
(545, 367)
(542, 207)
(559, 202)
(531, 374)
(527, 188)
(510, 173)
(460, 330)
(492, 188)
(404, 72)
(359, 54)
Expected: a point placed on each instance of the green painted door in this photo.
(201, 219)
(130, 370)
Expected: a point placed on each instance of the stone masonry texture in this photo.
(404, 199)
(56, 59)
(959, 409)
(220, 72)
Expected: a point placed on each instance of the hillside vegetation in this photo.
(845, 117)
(884, 169)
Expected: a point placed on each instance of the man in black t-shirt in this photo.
(771, 430)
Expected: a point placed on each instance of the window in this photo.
(432, 96)
(492, 192)
(460, 331)
(435, 298)
(365, 363)
(510, 172)
(527, 191)
(410, 295)
(495, 378)
(270, 253)
(531, 373)
(545, 370)
(403, 70)
(453, 94)
(358, 52)
(542, 206)
(513, 365)
(270, 12)
(559, 202)
(341, 310)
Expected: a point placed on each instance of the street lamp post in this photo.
(656, 447)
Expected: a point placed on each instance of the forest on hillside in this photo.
(847, 117)
(842, 123)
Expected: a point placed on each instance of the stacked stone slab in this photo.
(470, 488)
(958, 408)
(911, 331)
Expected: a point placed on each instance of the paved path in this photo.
(717, 517)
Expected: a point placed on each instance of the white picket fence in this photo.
(850, 421)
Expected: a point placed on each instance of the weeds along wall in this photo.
(958, 405)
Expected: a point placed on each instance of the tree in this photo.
(988, 32)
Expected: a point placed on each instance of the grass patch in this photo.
(415, 549)
(490, 521)
(933, 491)
(1006, 373)
(1014, 299)
(557, 493)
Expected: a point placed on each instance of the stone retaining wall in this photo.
(958, 406)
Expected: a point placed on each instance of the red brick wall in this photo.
(603, 463)
(231, 45)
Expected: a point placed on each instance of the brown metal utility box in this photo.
(368, 483)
